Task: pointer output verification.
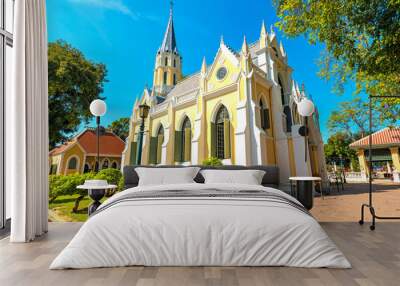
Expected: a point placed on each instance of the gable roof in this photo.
(384, 137)
(191, 83)
(110, 144)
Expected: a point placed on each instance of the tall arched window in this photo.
(288, 116)
(114, 165)
(282, 90)
(165, 77)
(174, 63)
(220, 135)
(155, 150)
(72, 163)
(174, 79)
(186, 139)
(105, 164)
(166, 61)
(264, 116)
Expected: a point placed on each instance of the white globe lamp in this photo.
(305, 107)
(98, 107)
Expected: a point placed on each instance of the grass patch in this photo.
(61, 209)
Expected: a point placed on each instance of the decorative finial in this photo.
(222, 40)
(171, 6)
(245, 47)
(263, 29)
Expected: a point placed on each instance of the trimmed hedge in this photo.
(61, 185)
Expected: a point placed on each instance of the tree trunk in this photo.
(52, 199)
(76, 206)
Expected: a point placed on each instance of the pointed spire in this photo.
(204, 66)
(221, 43)
(169, 41)
(263, 29)
(263, 36)
(282, 49)
(245, 47)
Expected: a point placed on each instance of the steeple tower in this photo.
(168, 68)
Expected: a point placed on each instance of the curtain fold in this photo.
(28, 123)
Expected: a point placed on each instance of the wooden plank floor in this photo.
(375, 257)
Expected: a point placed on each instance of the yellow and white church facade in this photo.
(241, 109)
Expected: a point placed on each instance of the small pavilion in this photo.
(385, 152)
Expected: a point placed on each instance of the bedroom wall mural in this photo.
(226, 105)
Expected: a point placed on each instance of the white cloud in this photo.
(115, 5)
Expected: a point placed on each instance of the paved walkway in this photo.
(345, 205)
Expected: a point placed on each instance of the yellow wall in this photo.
(395, 157)
(73, 151)
(291, 157)
(362, 160)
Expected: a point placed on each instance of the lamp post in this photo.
(143, 113)
(305, 108)
(98, 108)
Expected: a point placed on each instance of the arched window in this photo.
(295, 115)
(288, 117)
(186, 138)
(264, 116)
(174, 63)
(105, 164)
(72, 163)
(283, 99)
(174, 79)
(155, 150)
(165, 77)
(114, 165)
(166, 61)
(220, 135)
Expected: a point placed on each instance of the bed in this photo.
(197, 224)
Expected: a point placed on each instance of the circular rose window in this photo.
(221, 73)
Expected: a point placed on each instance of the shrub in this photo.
(212, 161)
(60, 185)
(112, 176)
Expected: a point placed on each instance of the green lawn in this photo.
(61, 209)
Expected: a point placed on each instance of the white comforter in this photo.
(206, 231)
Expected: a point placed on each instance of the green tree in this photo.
(361, 39)
(352, 117)
(120, 127)
(337, 148)
(74, 82)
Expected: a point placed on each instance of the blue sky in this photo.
(125, 35)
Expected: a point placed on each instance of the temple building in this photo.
(241, 108)
(385, 153)
(79, 154)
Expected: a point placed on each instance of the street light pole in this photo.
(140, 143)
(98, 108)
(143, 113)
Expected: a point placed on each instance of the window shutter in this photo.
(188, 143)
(227, 139)
(160, 140)
(132, 160)
(213, 140)
(266, 123)
(153, 150)
(178, 146)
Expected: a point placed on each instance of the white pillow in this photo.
(166, 176)
(247, 177)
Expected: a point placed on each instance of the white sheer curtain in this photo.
(27, 123)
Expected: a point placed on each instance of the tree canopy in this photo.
(120, 127)
(337, 148)
(74, 82)
(352, 117)
(361, 39)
